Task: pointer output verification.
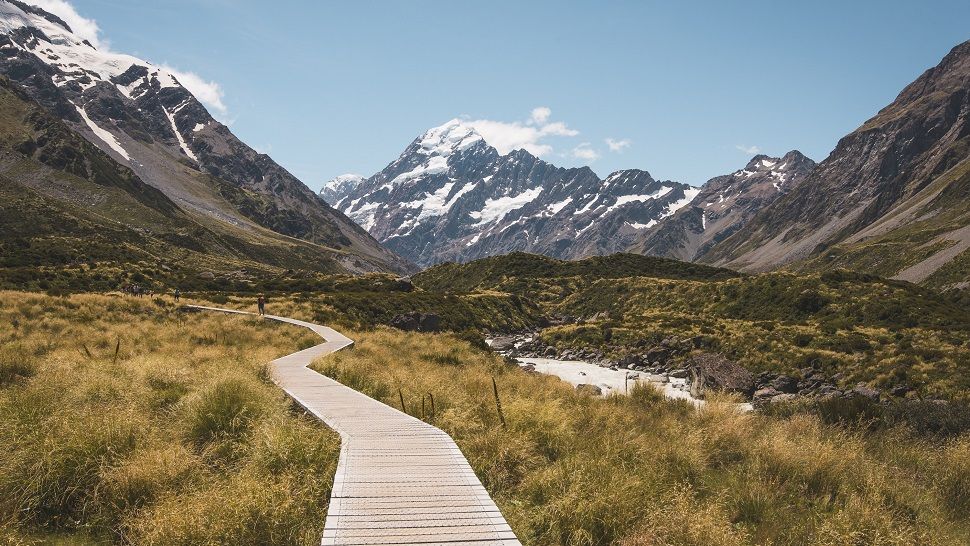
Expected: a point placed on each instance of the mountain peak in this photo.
(340, 186)
(451, 137)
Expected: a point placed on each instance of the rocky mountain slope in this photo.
(724, 204)
(72, 218)
(893, 198)
(451, 196)
(143, 118)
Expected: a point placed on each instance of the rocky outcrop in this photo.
(713, 372)
(416, 322)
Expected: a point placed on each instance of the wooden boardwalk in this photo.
(399, 480)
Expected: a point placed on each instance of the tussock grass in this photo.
(181, 439)
(571, 469)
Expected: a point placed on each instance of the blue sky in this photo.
(686, 90)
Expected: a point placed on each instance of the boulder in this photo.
(762, 397)
(680, 373)
(430, 322)
(416, 322)
(715, 372)
(783, 398)
(592, 390)
(785, 383)
(866, 392)
(503, 343)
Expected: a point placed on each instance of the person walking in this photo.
(261, 304)
(178, 294)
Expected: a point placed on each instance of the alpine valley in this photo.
(891, 199)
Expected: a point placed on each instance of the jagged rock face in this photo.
(146, 120)
(724, 204)
(336, 188)
(893, 180)
(452, 197)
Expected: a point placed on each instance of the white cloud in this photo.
(528, 136)
(750, 150)
(540, 115)
(585, 152)
(618, 145)
(86, 29)
(209, 93)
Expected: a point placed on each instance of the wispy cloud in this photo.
(585, 152)
(529, 135)
(86, 29)
(208, 92)
(750, 150)
(618, 145)
(540, 115)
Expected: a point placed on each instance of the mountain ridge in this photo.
(142, 117)
(889, 198)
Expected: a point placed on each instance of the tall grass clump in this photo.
(133, 423)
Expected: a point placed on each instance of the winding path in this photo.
(399, 480)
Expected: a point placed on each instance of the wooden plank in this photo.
(399, 480)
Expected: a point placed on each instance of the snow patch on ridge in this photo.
(624, 199)
(103, 134)
(496, 209)
(178, 135)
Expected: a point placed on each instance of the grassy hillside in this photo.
(857, 328)
(641, 470)
(125, 422)
(530, 274)
(367, 301)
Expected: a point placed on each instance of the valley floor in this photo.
(176, 436)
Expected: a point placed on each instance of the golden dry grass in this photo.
(180, 439)
(639, 470)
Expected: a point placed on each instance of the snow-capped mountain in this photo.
(450, 196)
(723, 205)
(145, 119)
(339, 186)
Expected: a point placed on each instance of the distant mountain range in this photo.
(257, 215)
(893, 198)
(450, 196)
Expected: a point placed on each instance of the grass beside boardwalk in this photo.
(124, 421)
(573, 470)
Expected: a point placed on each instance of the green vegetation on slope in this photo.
(517, 271)
(570, 469)
(857, 328)
(124, 421)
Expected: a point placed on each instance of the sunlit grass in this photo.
(638, 470)
(180, 439)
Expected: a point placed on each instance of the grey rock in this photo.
(715, 372)
(867, 392)
(785, 383)
(592, 390)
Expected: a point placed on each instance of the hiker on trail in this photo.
(178, 294)
(261, 304)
